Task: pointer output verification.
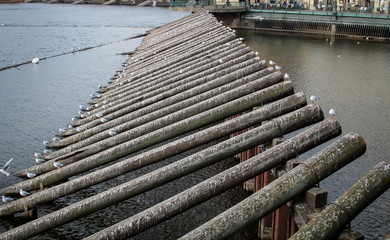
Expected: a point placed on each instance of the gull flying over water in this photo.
(4, 170)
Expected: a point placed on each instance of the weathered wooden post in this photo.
(282, 189)
(300, 143)
(221, 182)
(344, 209)
(121, 150)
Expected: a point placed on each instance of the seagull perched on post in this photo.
(332, 113)
(39, 160)
(277, 67)
(314, 99)
(24, 193)
(112, 133)
(272, 63)
(31, 175)
(286, 76)
(80, 129)
(57, 164)
(4, 170)
(103, 120)
(6, 199)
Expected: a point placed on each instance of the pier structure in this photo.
(193, 83)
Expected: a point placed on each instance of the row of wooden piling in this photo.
(185, 79)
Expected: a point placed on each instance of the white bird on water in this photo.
(57, 164)
(31, 175)
(6, 199)
(314, 99)
(24, 193)
(112, 133)
(272, 63)
(4, 170)
(35, 60)
(332, 113)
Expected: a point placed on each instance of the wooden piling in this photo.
(300, 143)
(221, 182)
(282, 189)
(223, 129)
(267, 95)
(345, 208)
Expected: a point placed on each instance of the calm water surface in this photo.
(38, 99)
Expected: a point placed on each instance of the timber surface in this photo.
(185, 79)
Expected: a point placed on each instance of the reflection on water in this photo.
(353, 78)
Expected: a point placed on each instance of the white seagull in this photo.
(332, 113)
(24, 193)
(80, 129)
(57, 164)
(257, 53)
(47, 151)
(103, 120)
(99, 115)
(314, 99)
(272, 63)
(112, 133)
(39, 160)
(31, 175)
(35, 60)
(6, 199)
(4, 170)
(277, 67)
(286, 76)
(37, 155)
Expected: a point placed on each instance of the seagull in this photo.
(83, 115)
(35, 60)
(80, 129)
(99, 115)
(57, 164)
(24, 193)
(314, 99)
(272, 63)
(45, 142)
(332, 113)
(56, 139)
(220, 61)
(286, 76)
(103, 120)
(39, 160)
(112, 133)
(74, 119)
(31, 175)
(37, 155)
(6, 199)
(47, 151)
(339, 56)
(5, 168)
(97, 105)
(257, 53)
(61, 130)
(241, 39)
(277, 67)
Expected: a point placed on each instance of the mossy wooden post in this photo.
(221, 182)
(345, 208)
(216, 114)
(282, 190)
(235, 175)
(298, 118)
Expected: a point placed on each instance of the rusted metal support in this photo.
(223, 129)
(344, 209)
(283, 189)
(182, 167)
(267, 95)
(221, 182)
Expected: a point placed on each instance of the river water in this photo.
(38, 99)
